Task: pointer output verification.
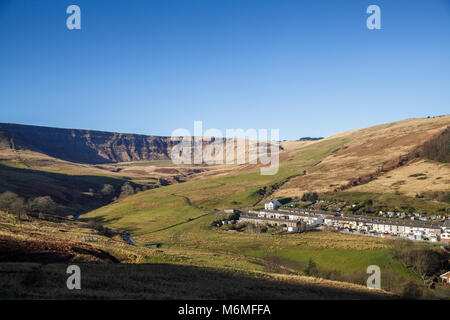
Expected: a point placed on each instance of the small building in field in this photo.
(272, 205)
(445, 278)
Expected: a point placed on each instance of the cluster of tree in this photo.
(310, 197)
(128, 189)
(390, 280)
(426, 262)
(12, 203)
(438, 149)
(107, 190)
(284, 201)
(360, 208)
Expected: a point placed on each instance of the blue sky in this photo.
(309, 68)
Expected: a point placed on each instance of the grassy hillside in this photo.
(179, 216)
(368, 153)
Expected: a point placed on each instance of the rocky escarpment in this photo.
(85, 146)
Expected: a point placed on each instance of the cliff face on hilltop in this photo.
(84, 146)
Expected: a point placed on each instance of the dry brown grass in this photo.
(366, 151)
(417, 177)
(65, 232)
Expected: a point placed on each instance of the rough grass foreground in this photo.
(163, 281)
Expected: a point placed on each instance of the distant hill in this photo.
(84, 146)
(88, 146)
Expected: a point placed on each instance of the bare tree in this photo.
(17, 207)
(107, 189)
(12, 203)
(127, 189)
(426, 263)
(43, 205)
(6, 199)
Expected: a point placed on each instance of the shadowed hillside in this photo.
(74, 193)
(164, 281)
(438, 149)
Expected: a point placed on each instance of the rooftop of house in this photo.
(253, 216)
(358, 218)
(446, 274)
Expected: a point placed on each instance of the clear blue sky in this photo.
(309, 68)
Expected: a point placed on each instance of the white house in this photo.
(272, 205)
(445, 278)
(445, 237)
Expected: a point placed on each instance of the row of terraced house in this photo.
(291, 219)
